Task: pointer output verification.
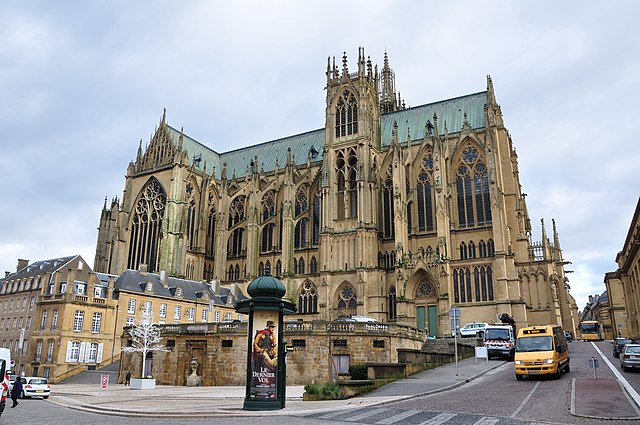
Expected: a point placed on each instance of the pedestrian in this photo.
(16, 391)
(127, 378)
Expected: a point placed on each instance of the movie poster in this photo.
(264, 355)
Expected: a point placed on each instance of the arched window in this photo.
(302, 203)
(146, 226)
(230, 273)
(267, 238)
(268, 206)
(346, 115)
(425, 289)
(463, 251)
(237, 272)
(472, 187)
(491, 251)
(391, 303)
(462, 285)
(347, 193)
(191, 223)
(410, 218)
(308, 298)
(482, 248)
(300, 234)
(267, 267)
(261, 269)
(295, 266)
(425, 195)
(472, 250)
(313, 266)
(301, 266)
(278, 268)
(236, 216)
(388, 229)
(347, 298)
(211, 233)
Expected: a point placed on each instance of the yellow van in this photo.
(541, 350)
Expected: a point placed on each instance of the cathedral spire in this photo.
(556, 238)
(388, 90)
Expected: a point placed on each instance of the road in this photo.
(495, 398)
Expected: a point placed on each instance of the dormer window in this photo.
(346, 115)
(149, 287)
(178, 291)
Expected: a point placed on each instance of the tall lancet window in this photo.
(191, 223)
(346, 115)
(388, 229)
(425, 195)
(472, 187)
(146, 226)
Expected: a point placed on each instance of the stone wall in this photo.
(221, 350)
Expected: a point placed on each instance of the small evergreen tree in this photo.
(145, 337)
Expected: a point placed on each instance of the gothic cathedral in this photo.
(393, 212)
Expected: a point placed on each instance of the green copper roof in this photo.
(309, 146)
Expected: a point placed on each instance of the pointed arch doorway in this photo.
(426, 299)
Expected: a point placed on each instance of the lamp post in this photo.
(266, 367)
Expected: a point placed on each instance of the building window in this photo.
(131, 306)
(171, 344)
(472, 190)
(77, 321)
(339, 343)
(176, 312)
(28, 323)
(129, 322)
(92, 353)
(299, 343)
(227, 343)
(147, 306)
(74, 353)
(241, 317)
(46, 372)
(216, 316)
(391, 303)
(43, 323)
(32, 303)
(425, 195)
(191, 314)
(346, 115)
(228, 317)
(38, 351)
(378, 343)
(146, 226)
(308, 298)
(95, 324)
(347, 298)
(388, 206)
(191, 223)
(205, 315)
(50, 351)
(163, 310)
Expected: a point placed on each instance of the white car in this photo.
(34, 386)
(471, 329)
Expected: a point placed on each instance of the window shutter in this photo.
(68, 356)
(83, 349)
(99, 356)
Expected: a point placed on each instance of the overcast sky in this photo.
(82, 82)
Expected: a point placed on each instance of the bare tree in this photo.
(145, 337)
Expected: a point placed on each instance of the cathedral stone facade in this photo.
(393, 212)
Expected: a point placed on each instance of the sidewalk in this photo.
(172, 401)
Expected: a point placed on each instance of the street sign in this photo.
(454, 313)
(104, 379)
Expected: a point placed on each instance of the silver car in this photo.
(630, 356)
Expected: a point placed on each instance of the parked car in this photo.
(34, 386)
(472, 329)
(630, 356)
(618, 343)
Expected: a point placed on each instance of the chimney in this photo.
(142, 269)
(163, 278)
(22, 264)
(215, 286)
(233, 293)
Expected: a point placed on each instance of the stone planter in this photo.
(143, 384)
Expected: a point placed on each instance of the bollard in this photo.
(593, 363)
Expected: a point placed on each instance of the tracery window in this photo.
(267, 238)
(425, 195)
(313, 265)
(146, 226)
(278, 268)
(261, 269)
(347, 297)
(463, 251)
(301, 266)
(388, 229)
(308, 298)
(268, 206)
(472, 186)
(425, 289)
(346, 115)
(236, 216)
(478, 289)
(302, 203)
(347, 193)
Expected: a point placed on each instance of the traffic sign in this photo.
(454, 313)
